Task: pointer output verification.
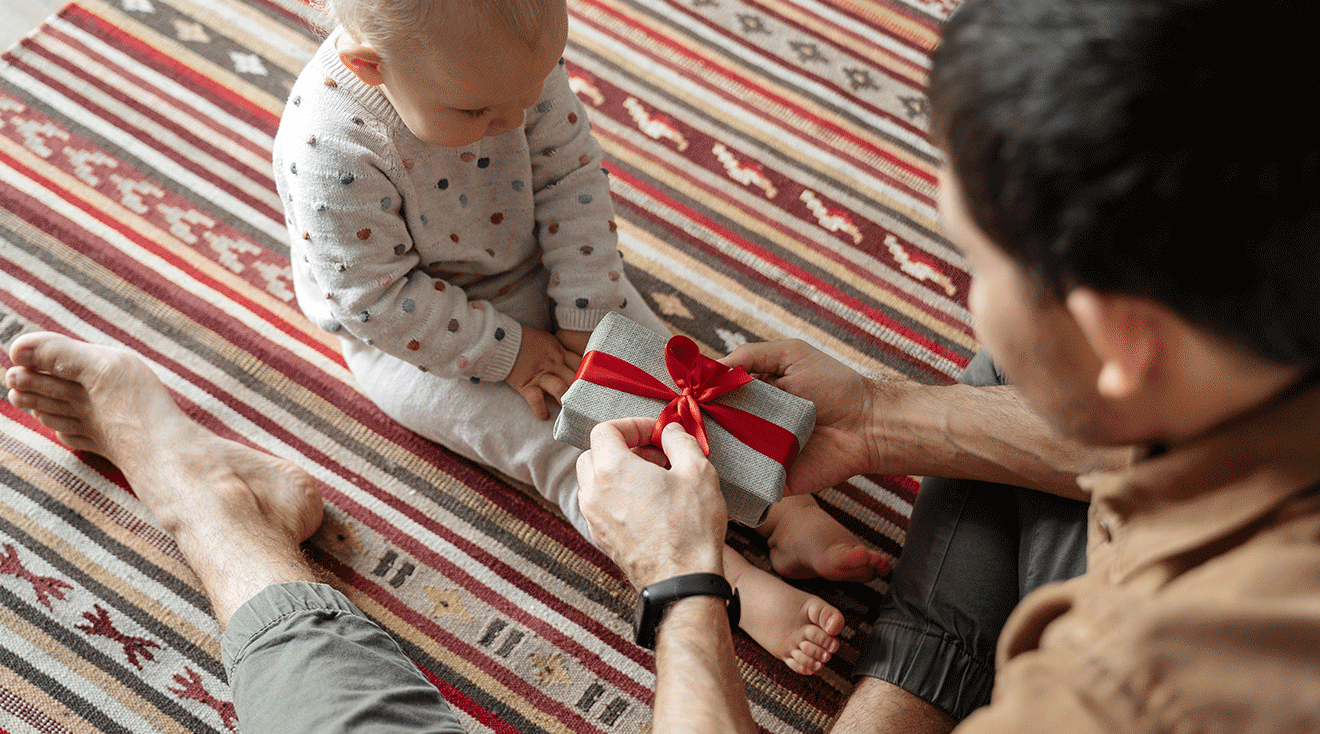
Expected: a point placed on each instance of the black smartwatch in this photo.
(657, 597)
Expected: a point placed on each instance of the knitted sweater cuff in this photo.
(579, 319)
(499, 364)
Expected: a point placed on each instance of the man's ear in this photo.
(361, 59)
(1124, 332)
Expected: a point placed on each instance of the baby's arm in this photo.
(574, 212)
(351, 238)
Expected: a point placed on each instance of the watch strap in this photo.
(657, 598)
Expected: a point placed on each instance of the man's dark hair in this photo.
(1160, 148)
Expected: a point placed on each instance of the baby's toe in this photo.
(802, 663)
(826, 617)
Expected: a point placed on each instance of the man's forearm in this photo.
(698, 688)
(985, 433)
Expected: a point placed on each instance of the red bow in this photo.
(701, 380)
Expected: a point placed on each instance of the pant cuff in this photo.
(928, 664)
(272, 605)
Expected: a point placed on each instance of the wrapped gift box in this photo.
(750, 480)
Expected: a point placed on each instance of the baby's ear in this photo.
(361, 59)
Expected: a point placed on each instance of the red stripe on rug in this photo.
(928, 19)
(870, 503)
(455, 698)
(696, 61)
(877, 316)
(878, 20)
(203, 121)
(836, 255)
(169, 66)
(33, 210)
(836, 28)
(832, 28)
(174, 156)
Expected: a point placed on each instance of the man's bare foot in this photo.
(796, 627)
(806, 542)
(237, 514)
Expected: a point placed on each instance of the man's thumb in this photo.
(680, 446)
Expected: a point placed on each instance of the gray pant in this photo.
(973, 550)
(302, 658)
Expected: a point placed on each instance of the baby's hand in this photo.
(573, 341)
(544, 367)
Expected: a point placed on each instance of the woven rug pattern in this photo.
(772, 178)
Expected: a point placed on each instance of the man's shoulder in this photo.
(1230, 633)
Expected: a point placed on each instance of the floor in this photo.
(24, 15)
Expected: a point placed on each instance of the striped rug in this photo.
(772, 179)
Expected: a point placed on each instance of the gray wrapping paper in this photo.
(750, 481)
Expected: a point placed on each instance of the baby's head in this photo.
(455, 70)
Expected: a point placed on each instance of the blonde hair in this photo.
(401, 25)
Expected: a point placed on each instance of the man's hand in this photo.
(659, 523)
(573, 341)
(841, 445)
(656, 523)
(544, 367)
(867, 426)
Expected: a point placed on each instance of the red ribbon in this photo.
(702, 380)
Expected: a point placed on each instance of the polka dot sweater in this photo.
(404, 245)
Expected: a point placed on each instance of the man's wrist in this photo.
(660, 572)
(884, 405)
(906, 423)
(657, 598)
(693, 618)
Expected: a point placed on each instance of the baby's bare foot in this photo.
(806, 541)
(796, 627)
(211, 494)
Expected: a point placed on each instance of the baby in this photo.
(451, 223)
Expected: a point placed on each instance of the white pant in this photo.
(488, 423)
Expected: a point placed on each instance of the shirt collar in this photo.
(1202, 491)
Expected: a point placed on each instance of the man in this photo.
(1144, 257)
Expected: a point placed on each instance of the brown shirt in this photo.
(1200, 608)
